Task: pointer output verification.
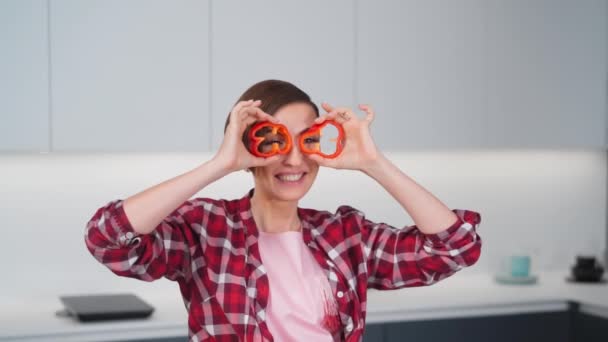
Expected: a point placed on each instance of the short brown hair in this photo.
(274, 94)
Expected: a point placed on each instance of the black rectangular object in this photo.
(88, 308)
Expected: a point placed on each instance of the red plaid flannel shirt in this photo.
(210, 248)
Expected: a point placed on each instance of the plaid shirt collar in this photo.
(305, 215)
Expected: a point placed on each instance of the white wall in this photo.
(549, 203)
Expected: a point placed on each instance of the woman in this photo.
(260, 268)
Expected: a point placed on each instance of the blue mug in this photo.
(519, 265)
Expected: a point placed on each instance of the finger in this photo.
(262, 115)
(249, 120)
(343, 115)
(251, 112)
(240, 120)
(249, 103)
(370, 114)
(327, 106)
(258, 113)
(241, 104)
(236, 110)
(334, 114)
(321, 118)
(244, 115)
(256, 116)
(328, 116)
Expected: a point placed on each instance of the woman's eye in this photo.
(311, 140)
(263, 131)
(268, 145)
(270, 142)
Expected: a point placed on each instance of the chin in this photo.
(289, 197)
(290, 194)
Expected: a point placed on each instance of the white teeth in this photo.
(291, 178)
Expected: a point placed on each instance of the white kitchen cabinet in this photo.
(158, 76)
(420, 63)
(24, 78)
(130, 76)
(546, 73)
(310, 44)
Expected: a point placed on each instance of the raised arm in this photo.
(152, 233)
(440, 242)
(148, 235)
(397, 257)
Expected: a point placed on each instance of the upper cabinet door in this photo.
(130, 76)
(24, 82)
(420, 64)
(308, 43)
(546, 73)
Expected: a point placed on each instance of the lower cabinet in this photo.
(590, 328)
(567, 326)
(552, 327)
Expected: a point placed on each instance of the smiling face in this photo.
(291, 177)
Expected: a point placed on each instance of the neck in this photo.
(274, 216)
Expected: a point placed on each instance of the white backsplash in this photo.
(550, 204)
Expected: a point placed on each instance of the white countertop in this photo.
(480, 295)
(33, 318)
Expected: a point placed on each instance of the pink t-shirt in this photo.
(299, 290)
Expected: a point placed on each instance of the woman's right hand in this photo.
(232, 154)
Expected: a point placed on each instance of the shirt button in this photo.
(340, 294)
(349, 328)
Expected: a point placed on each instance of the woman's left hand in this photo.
(359, 149)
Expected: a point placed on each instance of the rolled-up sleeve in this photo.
(406, 257)
(165, 252)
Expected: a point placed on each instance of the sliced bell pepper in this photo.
(310, 141)
(267, 139)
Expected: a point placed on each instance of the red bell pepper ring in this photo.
(266, 138)
(315, 132)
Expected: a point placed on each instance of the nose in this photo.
(294, 157)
